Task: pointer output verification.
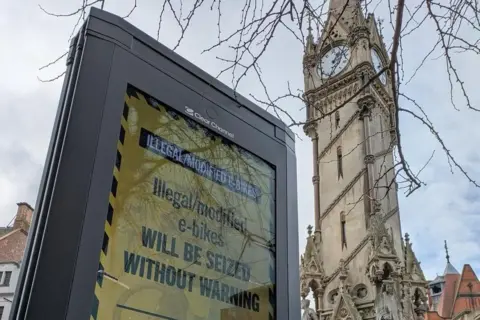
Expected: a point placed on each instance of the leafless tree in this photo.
(457, 25)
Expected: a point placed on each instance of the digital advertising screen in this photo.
(190, 229)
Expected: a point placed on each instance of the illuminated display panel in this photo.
(190, 232)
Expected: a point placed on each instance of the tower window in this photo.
(339, 162)
(343, 231)
(337, 120)
(436, 289)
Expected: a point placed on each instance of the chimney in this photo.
(23, 217)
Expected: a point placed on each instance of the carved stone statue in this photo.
(384, 246)
(387, 315)
(308, 313)
(388, 288)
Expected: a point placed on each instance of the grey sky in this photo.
(447, 208)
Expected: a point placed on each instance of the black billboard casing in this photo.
(164, 194)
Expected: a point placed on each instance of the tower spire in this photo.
(309, 23)
(446, 251)
(340, 6)
(309, 44)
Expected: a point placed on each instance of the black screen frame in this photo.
(58, 276)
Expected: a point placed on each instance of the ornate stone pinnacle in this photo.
(407, 238)
(343, 270)
(309, 23)
(309, 229)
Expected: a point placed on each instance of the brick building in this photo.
(13, 239)
(454, 295)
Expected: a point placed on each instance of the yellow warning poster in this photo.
(190, 229)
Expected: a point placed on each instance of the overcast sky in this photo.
(447, 208)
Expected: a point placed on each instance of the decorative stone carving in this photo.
(368, 313)
(369, 159)
(308, 313)
(332, 296)
(342, 275)
(304, 289)
(360, 291)
(383, 260)
(309, 127)
(382, 240)
(413, 269)
(365, 105)
(312, 275)
(387, 315)
(384, 245)
(388, 288)
(310, 60)
(345, 308)
(359, 32)
(377, 206)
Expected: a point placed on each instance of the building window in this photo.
(436, 289)
(337, 120)
(6, 279)
(339, 162)
(343, 231)
(1, 311)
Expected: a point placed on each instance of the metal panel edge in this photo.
(96, 13)
(110, 32)
(68, 201)
(27, 270)
(293, 237)
(96, 210)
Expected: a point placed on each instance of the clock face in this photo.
(378, 65)
(334, 61)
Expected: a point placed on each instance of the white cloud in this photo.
(447, 208)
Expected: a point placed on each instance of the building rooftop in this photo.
(453, 294)
(450, 269)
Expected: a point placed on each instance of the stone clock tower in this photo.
(356, 262)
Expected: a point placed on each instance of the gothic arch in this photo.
(387, 271)
(332, 296)
(419, 297)
(308, 284)
(314, 285)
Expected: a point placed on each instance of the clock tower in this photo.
(356, 262)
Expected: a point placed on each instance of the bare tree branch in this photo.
(260, 21)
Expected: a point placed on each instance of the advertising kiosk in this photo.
(165, 195)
